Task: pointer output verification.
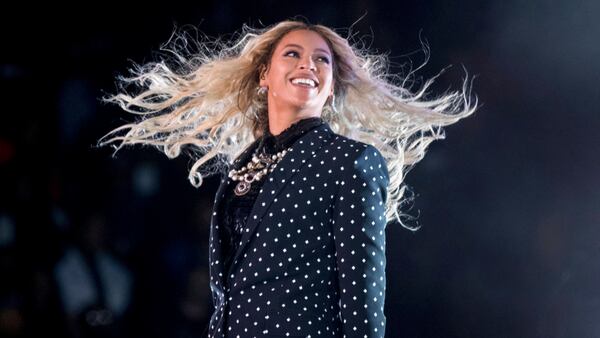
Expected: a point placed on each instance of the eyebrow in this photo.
(300, 47)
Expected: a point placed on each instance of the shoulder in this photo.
(354, 150)
(359, 157)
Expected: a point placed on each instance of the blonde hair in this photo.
(208, 104)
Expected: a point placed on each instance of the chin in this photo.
(307, 104)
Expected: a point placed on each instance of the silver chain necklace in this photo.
(260, 165)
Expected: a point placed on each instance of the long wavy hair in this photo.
(206, 103)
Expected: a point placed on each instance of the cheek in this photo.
(280, 69)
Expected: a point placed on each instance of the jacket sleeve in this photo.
(359, 234)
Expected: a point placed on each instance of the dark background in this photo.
(508, 202)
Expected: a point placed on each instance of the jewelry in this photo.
(262, 90)
(260, 165)
(332, 103)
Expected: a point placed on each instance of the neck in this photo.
(280, 122)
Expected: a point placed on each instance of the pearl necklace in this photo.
(260, 165)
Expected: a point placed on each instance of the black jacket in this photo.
(311, 262)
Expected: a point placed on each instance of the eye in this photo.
(291, 53)
(323, 59)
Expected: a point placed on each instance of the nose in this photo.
(307, 63)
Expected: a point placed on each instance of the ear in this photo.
(332, 88)
(262, 76)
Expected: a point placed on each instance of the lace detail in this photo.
(272, 144)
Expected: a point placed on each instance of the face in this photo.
(300, 73)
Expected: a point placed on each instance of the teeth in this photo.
(304, 81)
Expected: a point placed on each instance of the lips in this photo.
(305, 82)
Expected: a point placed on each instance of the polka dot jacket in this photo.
(311, 260)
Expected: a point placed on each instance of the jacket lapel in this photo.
(216, 255)
(301, 151)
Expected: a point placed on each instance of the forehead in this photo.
(307, 39)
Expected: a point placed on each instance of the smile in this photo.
(305, 82)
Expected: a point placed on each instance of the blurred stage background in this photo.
(509, 203)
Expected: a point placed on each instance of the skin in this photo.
(299, 54)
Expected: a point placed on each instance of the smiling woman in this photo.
(298, 79)
(313, 143)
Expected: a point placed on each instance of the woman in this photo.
(297, 239)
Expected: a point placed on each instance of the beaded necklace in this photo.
(260, 165)
(263, 163)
